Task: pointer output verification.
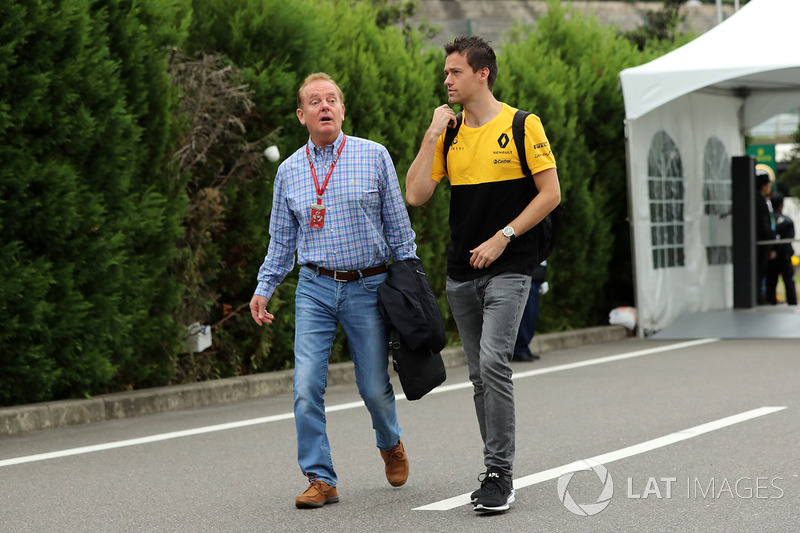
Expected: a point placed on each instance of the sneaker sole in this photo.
(480, 508)
(315, 505)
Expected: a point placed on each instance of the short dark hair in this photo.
(777, 200)
(479, 54)
(762, 178)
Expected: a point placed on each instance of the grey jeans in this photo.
(487, 311)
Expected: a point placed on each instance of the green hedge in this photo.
(566, 71)
(87, 220)
(106, 257)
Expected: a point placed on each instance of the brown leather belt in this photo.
(349, 275)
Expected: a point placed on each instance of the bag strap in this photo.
(449, 137)
(518, 132)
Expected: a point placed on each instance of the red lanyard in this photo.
(330, 171)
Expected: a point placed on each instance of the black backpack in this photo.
(547, 230)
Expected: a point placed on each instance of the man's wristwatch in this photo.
(508, 232)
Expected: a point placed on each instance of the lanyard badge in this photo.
(318, 209)
(317, 216)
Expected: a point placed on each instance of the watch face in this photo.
(508, 231)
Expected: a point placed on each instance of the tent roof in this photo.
(753, 54)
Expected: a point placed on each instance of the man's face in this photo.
(461, 82)
(322, 111)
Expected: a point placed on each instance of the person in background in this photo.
(527, 326)
(781, 264)
(337, 203)
(765, 231)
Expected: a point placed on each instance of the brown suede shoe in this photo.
(317, 494)
(396, 464)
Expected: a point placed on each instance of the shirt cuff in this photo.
(263, 289)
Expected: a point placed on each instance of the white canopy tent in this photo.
(686, 115)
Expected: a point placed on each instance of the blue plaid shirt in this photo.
(362, 203)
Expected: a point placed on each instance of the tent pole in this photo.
(640, 330)
(719, 11)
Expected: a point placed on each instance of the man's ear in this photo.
(342, 112)
(301, 117)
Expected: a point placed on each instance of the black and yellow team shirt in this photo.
(489, 190)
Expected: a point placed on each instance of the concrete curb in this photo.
(25, 418)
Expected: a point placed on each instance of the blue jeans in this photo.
(487, 311)
(321, 303)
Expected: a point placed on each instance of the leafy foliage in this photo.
(134, 199)
(565, 70)
(87, 218)
(217, 162)
(660, 27)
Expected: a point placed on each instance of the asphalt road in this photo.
(679, 436)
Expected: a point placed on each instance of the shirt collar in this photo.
(331, 147)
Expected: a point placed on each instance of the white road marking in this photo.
(588, 362)
(341, 407)
(604, 459)
(144, 440)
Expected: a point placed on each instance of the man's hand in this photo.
(443, 116)
(419, 184)
(258, 309)
(488, 252)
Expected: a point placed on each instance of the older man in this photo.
(337, 203)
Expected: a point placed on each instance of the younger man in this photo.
(492, 256)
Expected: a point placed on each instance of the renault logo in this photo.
(502, 140)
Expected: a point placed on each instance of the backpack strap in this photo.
(548, 229)
(449, 137)
(518, 132)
